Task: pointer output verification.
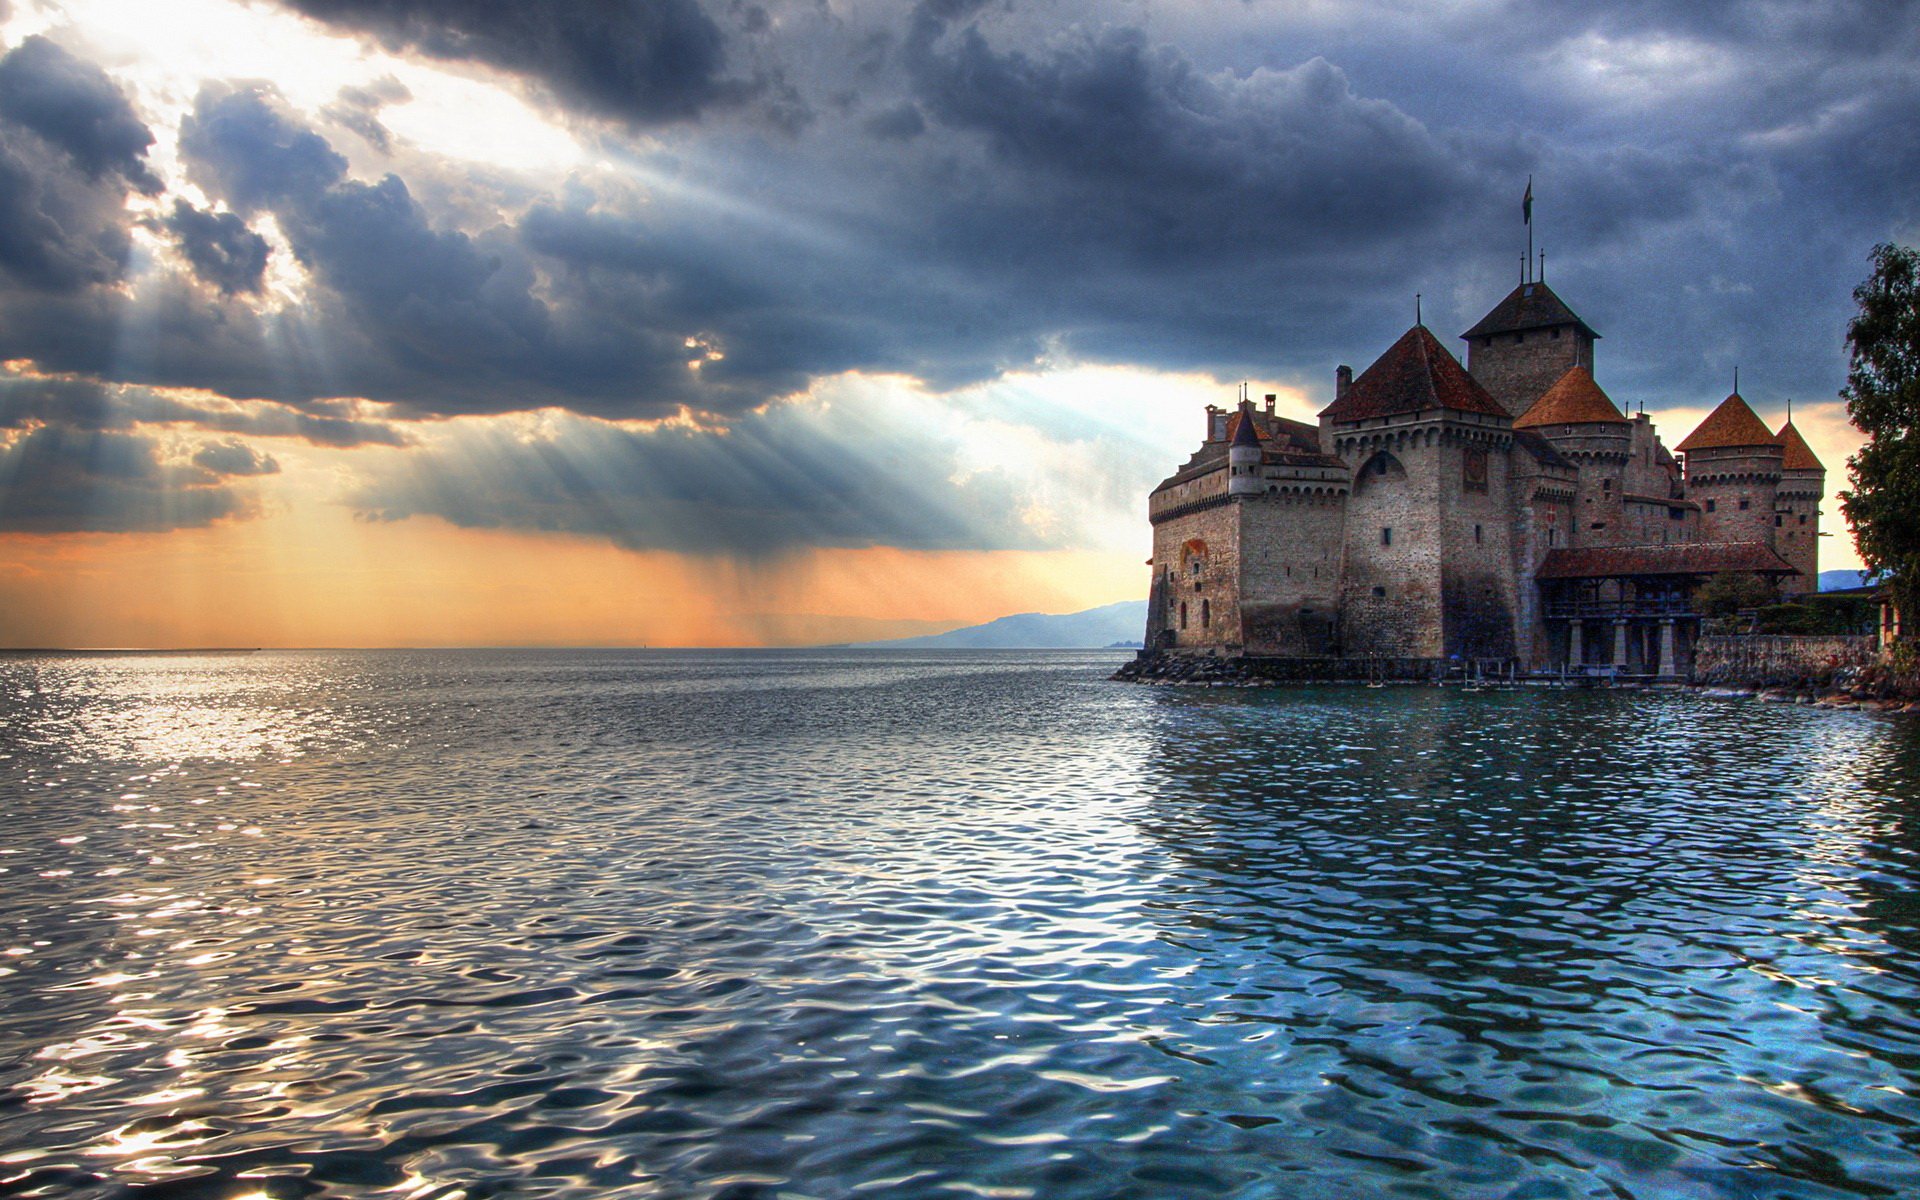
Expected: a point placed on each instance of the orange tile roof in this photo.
(1799, 456)
(1732, 424)
(1679, 558)
(1415, 374)
(1575, 399)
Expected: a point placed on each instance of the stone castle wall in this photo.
(1209, 537)
(1518, 368)
(1790, 662)
(1736, 489)
(1479, 591)
(1797, 535)
(1290, 566)
(1647, 521)
(1390, 599)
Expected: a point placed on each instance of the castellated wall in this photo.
(1736, 488)
(1645, 475)
(1391, 596)
(1797, 528)
(1518, 368)
(1290, 557)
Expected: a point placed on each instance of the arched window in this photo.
(1183, 614)
(1206, 613)
(1381, 468)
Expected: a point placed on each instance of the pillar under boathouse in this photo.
(1630, 608)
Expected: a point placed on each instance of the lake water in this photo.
(435, 925)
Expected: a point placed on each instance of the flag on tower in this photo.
(1526, 204)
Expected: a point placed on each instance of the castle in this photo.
(1502, 515)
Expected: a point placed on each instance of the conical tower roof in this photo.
(1575, 399)
(1244, 432)
(1529, 306)
(1732, 424)
(1415, 374)
(1799, 455)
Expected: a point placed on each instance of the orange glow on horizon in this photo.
(424, 583)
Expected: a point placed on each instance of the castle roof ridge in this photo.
(1799, 456)
(1675, 558)
(1531, 305)
(1732, 425)
(1574, 399)
(1414, 375)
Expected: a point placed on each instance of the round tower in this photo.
(1796, 516)
(1733, 469)
(1585, 427)
(1243, 454)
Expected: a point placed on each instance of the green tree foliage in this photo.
(1883, 399)
(1733, 592)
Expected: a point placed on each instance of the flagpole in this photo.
(1529, 221)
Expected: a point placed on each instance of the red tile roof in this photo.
(1684, 558)
(1575, 399)
(1529, 306)
(1414, 375)
(1732, 424)
(1799, 456)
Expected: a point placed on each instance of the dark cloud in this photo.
(222, 250)
(779, 481)
(242, 143)
(642, 61)
(967, 188)
(71, 151)
(899, 123)
(358, 109)
(233, 457)
(73, 105)
(89, 406)
(62, 480)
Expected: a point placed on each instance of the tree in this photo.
(1883, 400)
(1732, 592)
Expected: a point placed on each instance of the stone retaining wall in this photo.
(1149, 667)
(1773, 661)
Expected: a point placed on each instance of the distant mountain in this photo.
(1110, 626)
(1833, 580)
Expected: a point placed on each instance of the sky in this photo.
(772, 322)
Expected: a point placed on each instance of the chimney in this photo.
(1216, 423)
(1342, 380)
(1271, 397)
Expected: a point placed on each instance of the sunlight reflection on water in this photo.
(841, 924)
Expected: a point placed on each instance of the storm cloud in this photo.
(223, 251)
(65, 480)
(638, 60)
(959, 190)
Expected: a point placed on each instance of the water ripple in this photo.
(827, 925)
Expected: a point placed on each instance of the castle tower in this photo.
(1796, 516)
(1526, 344)
(1428, 537)
(1588, 430)
(1246, 542)
(1243, 455)
(1733, 469)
